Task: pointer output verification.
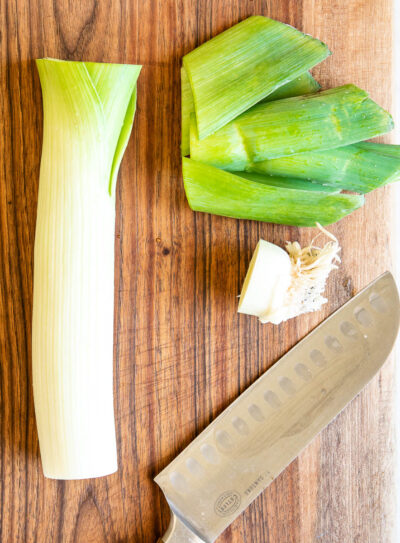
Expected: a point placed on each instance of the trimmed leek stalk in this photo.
(88, 115)
(325, 120)
(360, 167)
(304, 84)
(241, 66)
(280, 285)
(211, 190)
(287, 182)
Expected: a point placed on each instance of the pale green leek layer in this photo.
(212, 190)
(115, 85)
(236, 69)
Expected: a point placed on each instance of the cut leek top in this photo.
(384, 149)
(320, 121)
(187, 108)
(288, 182)
(304, 84)
(360, 167)
(241, 66)
(212, 190)
(248, 108)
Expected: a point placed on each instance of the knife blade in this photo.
(246, 447)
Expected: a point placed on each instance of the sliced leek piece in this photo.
(304, 84)
(385, 149)
(225, 149)
(325, 120)
(187, 108)
(88, 114)
(241, 66)
(288, 182)
(280, 285)
(211, 190)
(360, 167)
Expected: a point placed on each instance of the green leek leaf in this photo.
(287, 182)
(211, 190)
(360, 167)
(325, 120)
(386, 149)
(304, 84)
(241, 66)
(187, 108)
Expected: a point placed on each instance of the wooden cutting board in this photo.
(181, 351)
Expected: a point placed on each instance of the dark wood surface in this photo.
(181, 351)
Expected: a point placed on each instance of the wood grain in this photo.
(181, 351)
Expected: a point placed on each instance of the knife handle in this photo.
(179, 533)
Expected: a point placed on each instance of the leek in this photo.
(187, 108)
(386, 149)
(88, 115)
(360, 167)
(328, 119)
(288, 182)
(304, 84)
(241, 66)
(280, 285)
(211, 190)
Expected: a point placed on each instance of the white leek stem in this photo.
(86, 107)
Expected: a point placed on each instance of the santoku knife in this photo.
(238, 455)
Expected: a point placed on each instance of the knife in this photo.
(242, 451)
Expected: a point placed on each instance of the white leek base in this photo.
(280, 285)
(267, 280)
(73, 318)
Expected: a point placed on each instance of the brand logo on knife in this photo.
(227, 503)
